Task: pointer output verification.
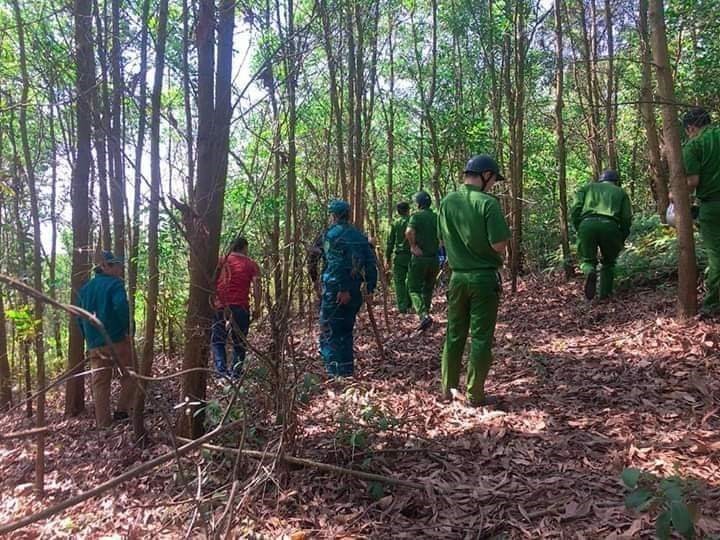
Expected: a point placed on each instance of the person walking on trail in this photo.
(421, 234)
(474, 232)
(701, 159)
(398, 246)
(348, 261)
(602, 216)
(236, 274)
(104, 296)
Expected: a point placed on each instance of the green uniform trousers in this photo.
(401, 263)
(600, 233)
(473, 299)
(709, 220)
(422, 274)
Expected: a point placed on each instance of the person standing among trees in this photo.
(475, 234)
(348, 260)
(601, 215)
(236, 274)
(398, 245)
(105, 297)
(701, 159)
(421, 234)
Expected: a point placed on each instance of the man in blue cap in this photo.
(348, 261)
(104, 296)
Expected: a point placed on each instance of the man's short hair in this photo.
(239, 244)
(697, 116)
(403, 207)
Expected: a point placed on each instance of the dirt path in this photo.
(589, 390)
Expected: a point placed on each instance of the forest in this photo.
(148, 142)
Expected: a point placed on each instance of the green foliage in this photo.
(24, 321)
(668, 498)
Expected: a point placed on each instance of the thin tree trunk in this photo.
(101, 131)
(186, 100)
(38, 335)
(658, 171)
(687, 270)
(561, 149)
(85, 81)
(391, 121)
(610, 99)
(117, 183)
(139, 149)
(54, 219)
(153, 285)
(5, 373)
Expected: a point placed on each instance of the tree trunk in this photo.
(139, 149)
(38, 335)
(687, 269)
(186, 100)
(85, 81)
(610, 98)
(561, 149)
(658, 171)
(117, 183)
(153, 285)
(213, 140)
(5, 374)
(390, 121)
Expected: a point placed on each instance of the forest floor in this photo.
(589, 389)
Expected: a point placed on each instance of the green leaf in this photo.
(662, 526)
(638, 498)
(630, 477)
(681, 520)
(672, 490)
(377, 490)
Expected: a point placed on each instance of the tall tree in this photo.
(658, 171)
(117, 184)
(5, 375)
(85, 81)
(687, 269)
(153, 272)
(561, 152)
(214, 110)
(39, 337)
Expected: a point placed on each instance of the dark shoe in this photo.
(590, 285)
(119, 416)
(487, 401)
(425, 323)
(446, 397)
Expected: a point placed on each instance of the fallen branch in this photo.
(128, 475)
(315, 465)
(26, 434)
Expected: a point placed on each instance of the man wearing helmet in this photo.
(348, 261)
(602, 216)
(474, 232)
(398, 246)
(701, 158)
(421, 234)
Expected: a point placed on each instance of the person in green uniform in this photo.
(474, 232)
(701, 159)
(421, 234)
(398, 246)
(602, 216)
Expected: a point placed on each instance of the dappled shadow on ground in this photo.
(588, 388)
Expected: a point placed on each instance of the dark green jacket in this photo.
(603, 199)
(397, 243)
(105, 297)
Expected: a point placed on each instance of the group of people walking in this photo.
(469, 229)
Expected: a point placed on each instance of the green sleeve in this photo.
(626, 217)
(496, 226)
(576, 211)
(692, 157)
(390, 242)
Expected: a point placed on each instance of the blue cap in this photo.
(339, 207)
(109, 258)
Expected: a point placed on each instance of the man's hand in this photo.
(415, 250)
(342, 298)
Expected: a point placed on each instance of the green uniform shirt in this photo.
(701, 156)
(470, 222)
(397, 243)
(424, 223)
(603, 199)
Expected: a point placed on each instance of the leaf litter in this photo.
(589, 390)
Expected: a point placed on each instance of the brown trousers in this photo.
(103, 367)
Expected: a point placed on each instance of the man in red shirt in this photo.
(235, 274)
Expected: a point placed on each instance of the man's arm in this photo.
(121, 306)
(500, 246)
(390, 247)
(576, 211)
(626, 217)
(497, 228)
(412, 240)
(693, 181)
